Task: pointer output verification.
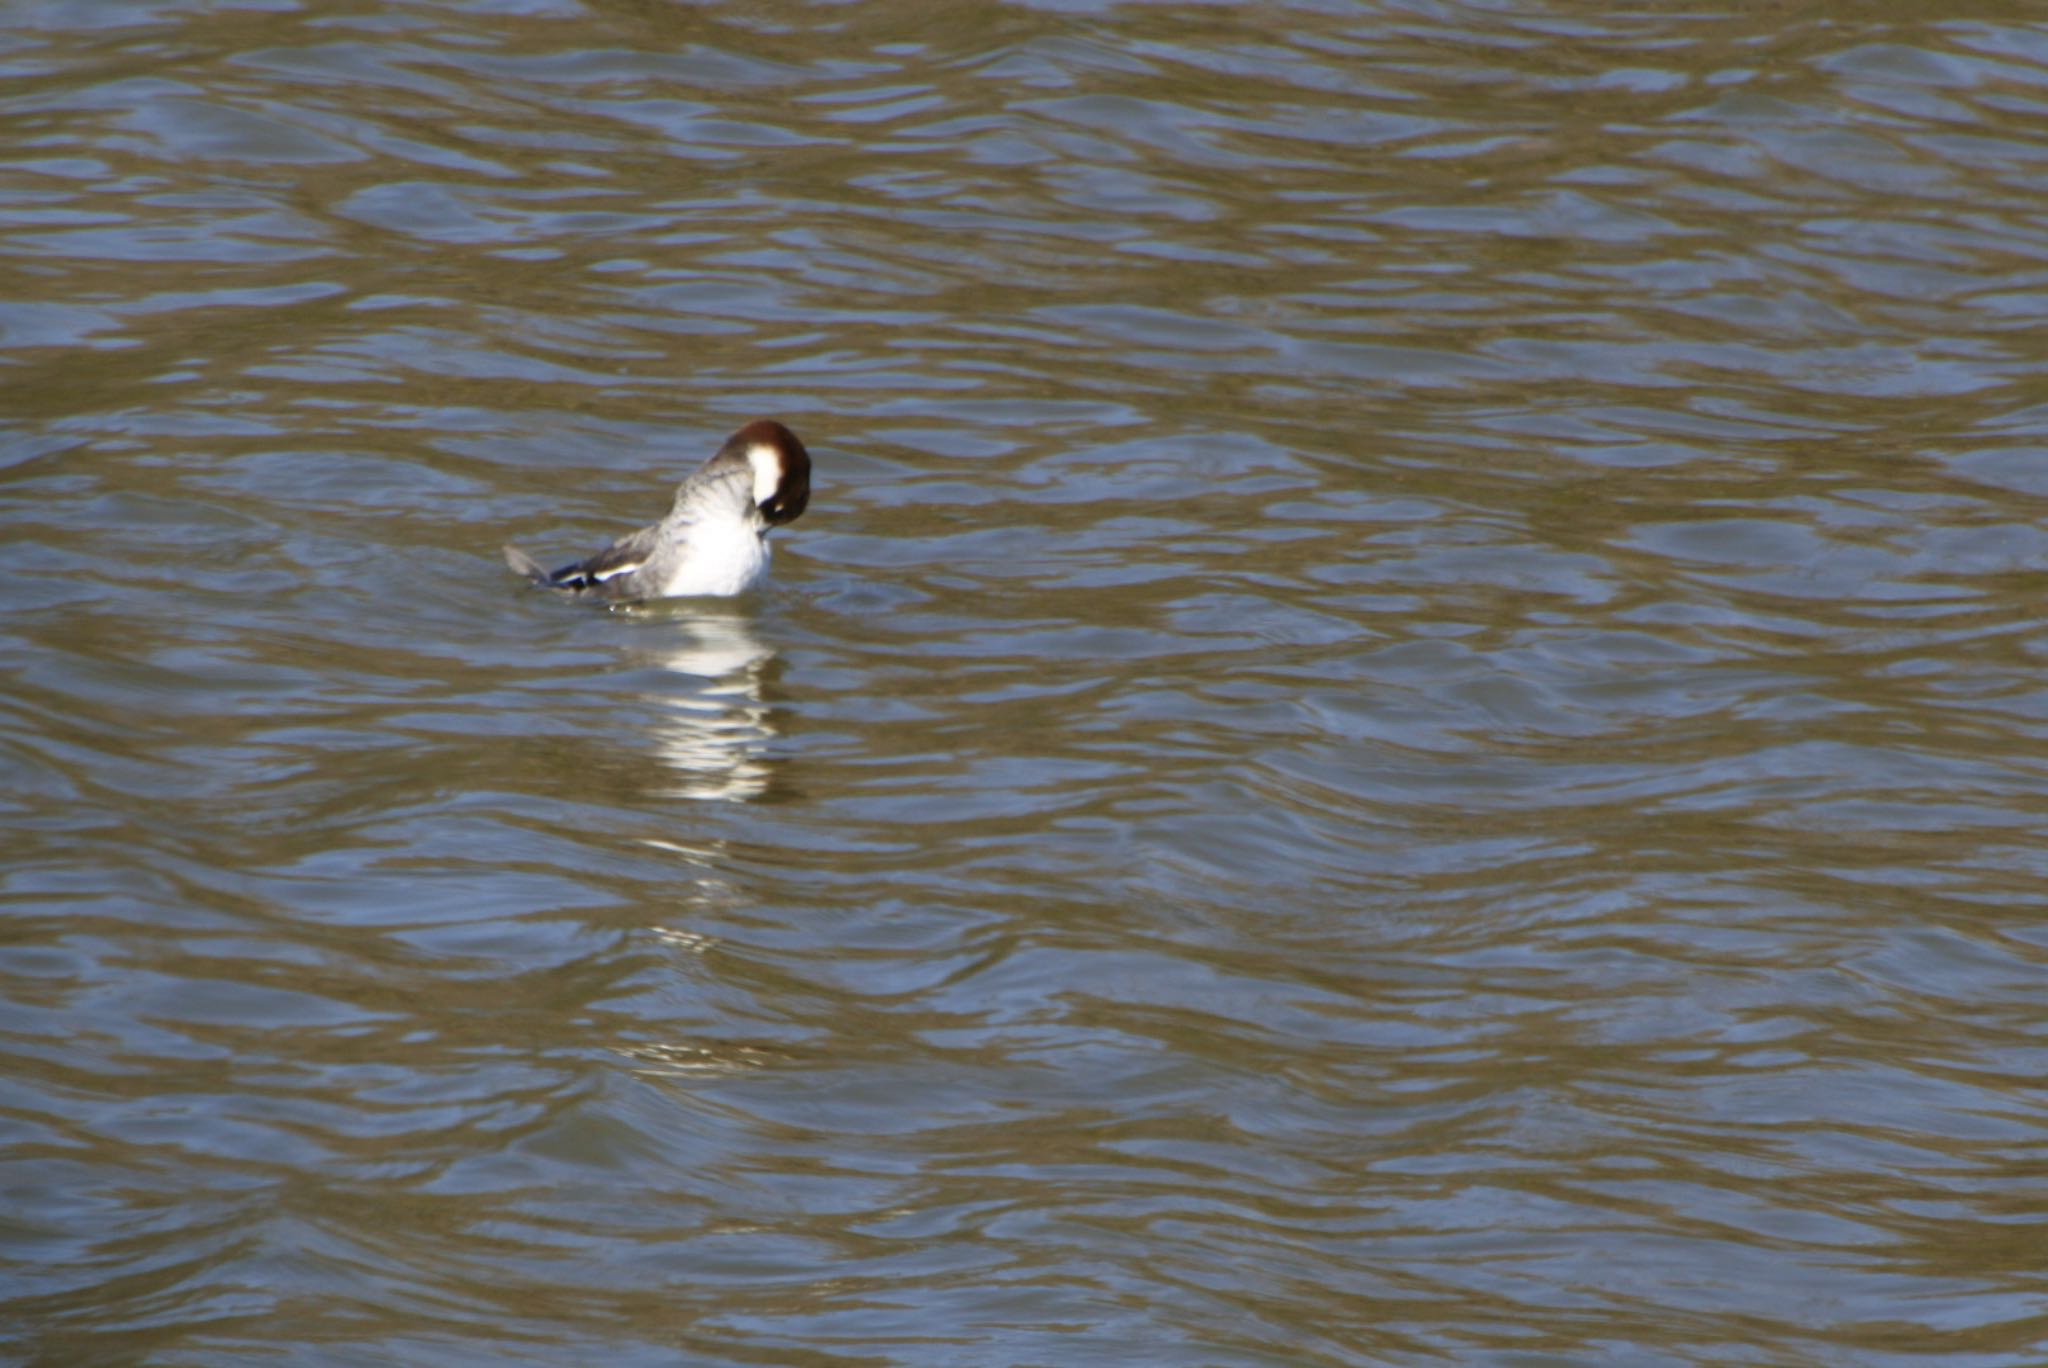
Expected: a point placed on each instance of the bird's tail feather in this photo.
(523, 564)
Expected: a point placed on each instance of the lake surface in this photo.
(1407, 727)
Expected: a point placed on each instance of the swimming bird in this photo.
(715, 537)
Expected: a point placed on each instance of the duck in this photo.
(714, 541)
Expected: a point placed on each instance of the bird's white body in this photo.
(723, 554)
(714, 540)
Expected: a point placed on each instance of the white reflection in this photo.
(656, 1060)
(715, 730)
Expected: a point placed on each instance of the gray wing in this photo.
(613, 573)
(632, 566)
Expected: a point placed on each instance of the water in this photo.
(1405, 728)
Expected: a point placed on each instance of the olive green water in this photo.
(1407, 726)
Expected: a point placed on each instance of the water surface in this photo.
(1405, 727)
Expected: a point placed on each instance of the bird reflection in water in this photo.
(712, 734)
(713, 730)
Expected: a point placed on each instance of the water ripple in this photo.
(1402, 728)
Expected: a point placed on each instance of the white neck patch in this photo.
(767, 465)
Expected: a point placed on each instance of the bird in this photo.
(714, 540)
